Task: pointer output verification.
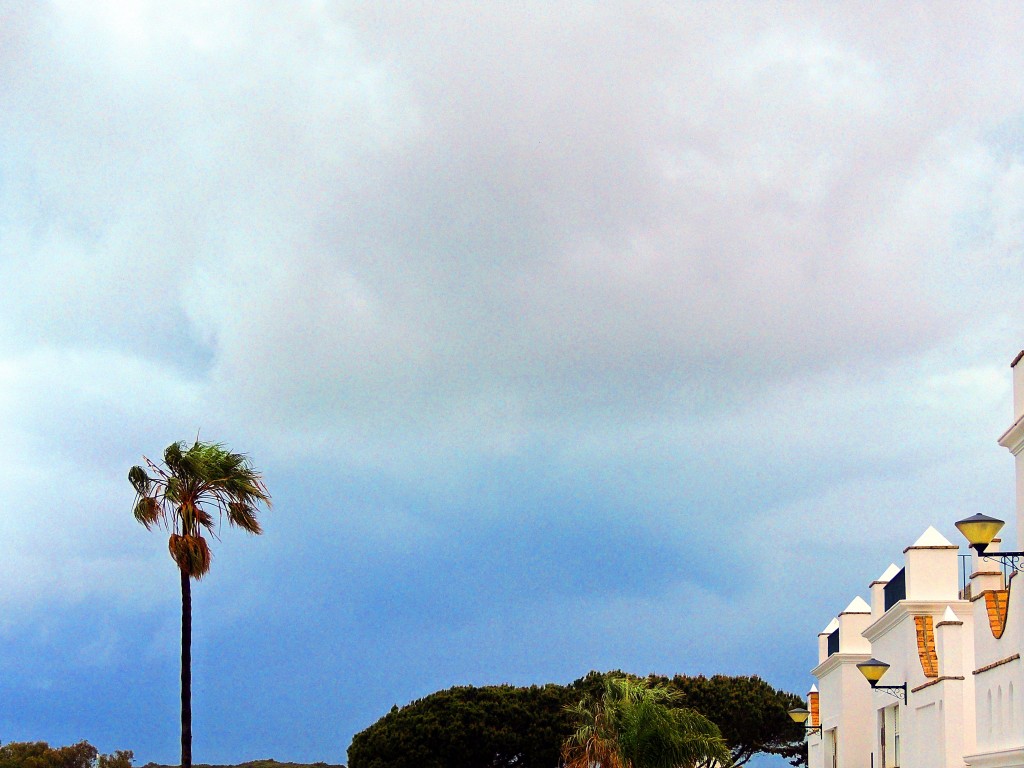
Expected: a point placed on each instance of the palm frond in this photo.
(198, 483)
(147, 511)
(140, 480)
(191, 553)
(172, 456)
(242, 515)
(204, 518)
(635, 725)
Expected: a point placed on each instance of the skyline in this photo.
(567, 337)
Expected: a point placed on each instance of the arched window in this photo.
(988, 715)
(1011, 711)
(999, 712)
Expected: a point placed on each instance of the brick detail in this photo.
(812, 699)
(994, 664)
(996, 604)
(926, 646)
(936, 681)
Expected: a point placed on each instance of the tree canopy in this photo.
(751, 714)
(504, 726)
(39, 754)
(496, 726)
(182, 496)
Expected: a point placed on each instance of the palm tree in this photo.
(182, 497)
(634, 725)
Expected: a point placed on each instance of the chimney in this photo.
(986, 574)
(812, 704)
(852, 622)
(931, 568)
(823, 639)
(878, 590)
(949, 644)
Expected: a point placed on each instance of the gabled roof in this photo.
(814, 689)
(830, 628)
(948, 615)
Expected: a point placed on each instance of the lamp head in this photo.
(873, 669)
(799, 714)
(979, 530)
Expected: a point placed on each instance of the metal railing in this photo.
(965, 577)
(966, 567)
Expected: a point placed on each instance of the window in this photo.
(896, 735)
(832, 748)
(881, 739)
(889, 736)
(1011, 716)
(999, 711)
(988, 719)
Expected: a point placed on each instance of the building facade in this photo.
(956, 643)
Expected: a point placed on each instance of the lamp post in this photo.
(800, 715)
(873, 669)
(979, 530)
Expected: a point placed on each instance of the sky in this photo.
(567, 336)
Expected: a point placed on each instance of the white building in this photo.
(953, 695)
(999, 630)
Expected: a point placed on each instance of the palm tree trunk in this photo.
(186, 671)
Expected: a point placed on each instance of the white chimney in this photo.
(823, 639)
(949, 644)
(878, 590)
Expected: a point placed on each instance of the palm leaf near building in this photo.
(195, 489)
(634, 725)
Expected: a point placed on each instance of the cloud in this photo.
(446, 233)
(545, 281)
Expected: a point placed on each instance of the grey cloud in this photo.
(384, 233)
(397, 212)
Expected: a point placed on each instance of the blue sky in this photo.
(568, 336)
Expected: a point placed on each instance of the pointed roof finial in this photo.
(888, 574)
(857, 605)
(932, 538)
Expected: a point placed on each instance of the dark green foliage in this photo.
(640, 724)
(500, 726)
(494, 726)
(751, 714)
(39, 754)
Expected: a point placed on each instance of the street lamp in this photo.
(979, 530)
(800, 715)
(873, 669)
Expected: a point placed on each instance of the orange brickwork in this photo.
(996, 603)
(926, 646)
(812, 699)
